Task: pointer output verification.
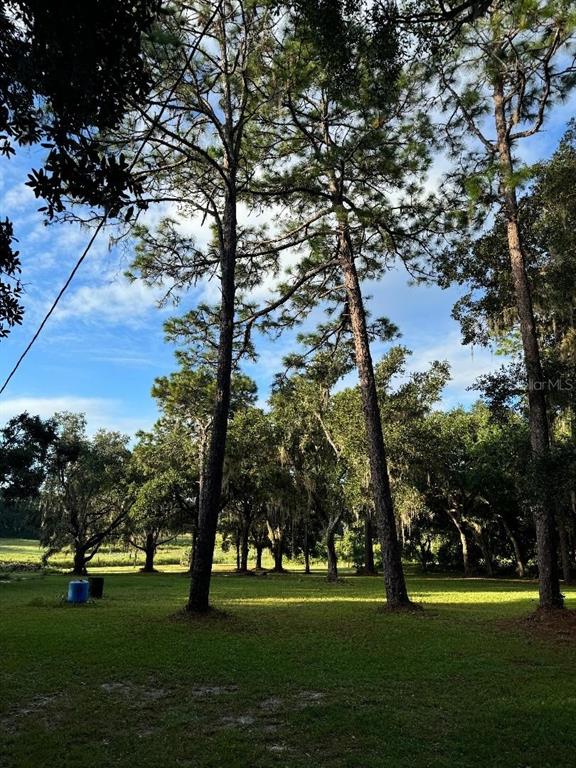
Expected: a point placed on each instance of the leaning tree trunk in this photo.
(459, 525)
(150, 552)
(465, 552)
(79, 568)
(518, 556)
(484, 544)
(395, 583)
(542, 505)
(369, 564)
(209, 506)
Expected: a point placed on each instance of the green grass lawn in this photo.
(296, 673)
(30, 552)
(175, 553)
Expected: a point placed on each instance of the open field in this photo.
(296, 673)
(176, 553)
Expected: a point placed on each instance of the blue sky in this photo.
(104, 346)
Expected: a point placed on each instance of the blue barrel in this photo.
(77, 591)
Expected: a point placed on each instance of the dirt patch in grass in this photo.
(212, 615)
(272, 703)
(558, 624)
(277, 748)
(133, 691)
(297, 700)
(151, 690)
(212, 690)
(38, 707)
(269, 717)
(306, 698)
(239, 721)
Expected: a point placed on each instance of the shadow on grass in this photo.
(213, 615)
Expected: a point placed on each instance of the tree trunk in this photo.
(79, 562)
(237, 547)
(244, 549)
(465, 551)
(459, 525)
(369, 565)
(395, 583)
(209, 506)
(246, 521)
(193, 548)
(564, 551)
(258, 548)
(424, 550)
(331, 550)
(150, 552)
(306, 552)
(542, 506)
(484, 544)
(423, 557)
(278, 556)
(486, 553)
(518, 556)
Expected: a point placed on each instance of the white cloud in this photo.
(17, 199)
(466, 362)
(101, 413)
(466, 365)
(116, 301)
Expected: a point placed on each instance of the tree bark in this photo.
(237, 547)
(79, 568)
(307, 561)
(542, 506)
(209, 506)
(395, 583)
(244, 546)
(423, 557)
(518, 556)
(150, 552)
(193, 548)
(564, 551)
(278, 556)
(459, 525)
(484, 544)
(306, 552)
(424, 550)
(465, 552)
(332, 574)
(258, 548)
(246, 520)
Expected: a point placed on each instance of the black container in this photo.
(96, 586)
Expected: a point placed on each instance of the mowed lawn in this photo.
(171, 556)
(294, 672)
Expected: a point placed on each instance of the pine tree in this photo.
(499, 79)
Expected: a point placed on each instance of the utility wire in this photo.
(104, 218)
